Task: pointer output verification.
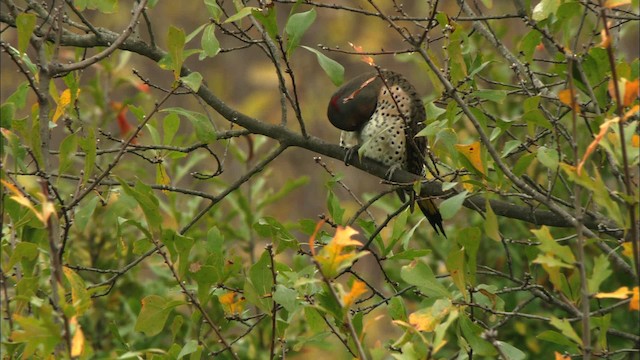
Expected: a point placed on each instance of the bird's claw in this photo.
(350, 155)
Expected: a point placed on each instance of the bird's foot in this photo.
(351, 154)
(392, 169)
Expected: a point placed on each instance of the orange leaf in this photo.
(615, 3)
(365, 58)
(358, 288)
(635, 300)
(621, 293)
(627, 249)
(592, 147)
(632, 112)
(606, 40)
(566, 98)
(631, 92)
(312, 239)
(472, 153)
(561, 356)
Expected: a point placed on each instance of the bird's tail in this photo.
(431, 212)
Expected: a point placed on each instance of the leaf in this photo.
(615, 3)
(214, 9)
(232, 302)
(210, 44)
(544, 9)
(357, 289)
(491, 227)
(62, 103)
(568, 97)
(472, 333)
(68, 147)
(241, 14)
(450, 206)
(268, 19)
(332, 68)
(599, 273)
(427, 319)
(419, 274)
(550, 246)
(154, 313)
(548, 157)
(455, 266)
(509, 351)
(176, 40)
(297, 25)
(634, 304)
(192, 81)
(286, 297)
(46, 206)
(202, 126)
(36, 334)
(88, 146)
(557, 338)
(190, 347)
(80, 298)
(473, 153)
(23, 250)
(143, 194)
(77, 341)
(25, 23)
(340, 252)
(566, 329)
(620, 293)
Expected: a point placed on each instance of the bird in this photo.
(380, 114)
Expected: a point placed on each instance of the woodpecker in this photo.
(380, 113)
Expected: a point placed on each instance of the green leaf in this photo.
(176, 40)
(455, 266)
(566, 329)
(68, 148)
(557, 338)
(84, 213)
(397, 310)
(259, 282)
(192, 81)
(419, 274)
(509, 351)
(470, 238)
(599, 274)
(244, 12)
(170, 126)
(529, 43)
(537, 118)
(210, 44)
(88, 146)
(450, 206)
(36, 334)
(550, 246)
(154, 313)
(268, 20)
(332, 68)
(23, 250)
(147, 200)
(81, 300)
(296, 26)
(544, 9)
(410, 254)
(285, 190)
(472, 334)
(25, 23)
(214, 9)
(548, 157)
(286, 297)
(190, 347)
(202, 126)
(491, 223)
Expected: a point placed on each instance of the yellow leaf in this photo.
(230, 304)
(77, 342)
(63, 102)
(567, 97)
(615, 3)
(606, 40)
(621, 293)
(632, 112)
(427, 319)
(339, 252)
(592, 147)
(47, 207)
(472, 153)
(358, 288)
(561, 356)
(627, 249)
(635, 300)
